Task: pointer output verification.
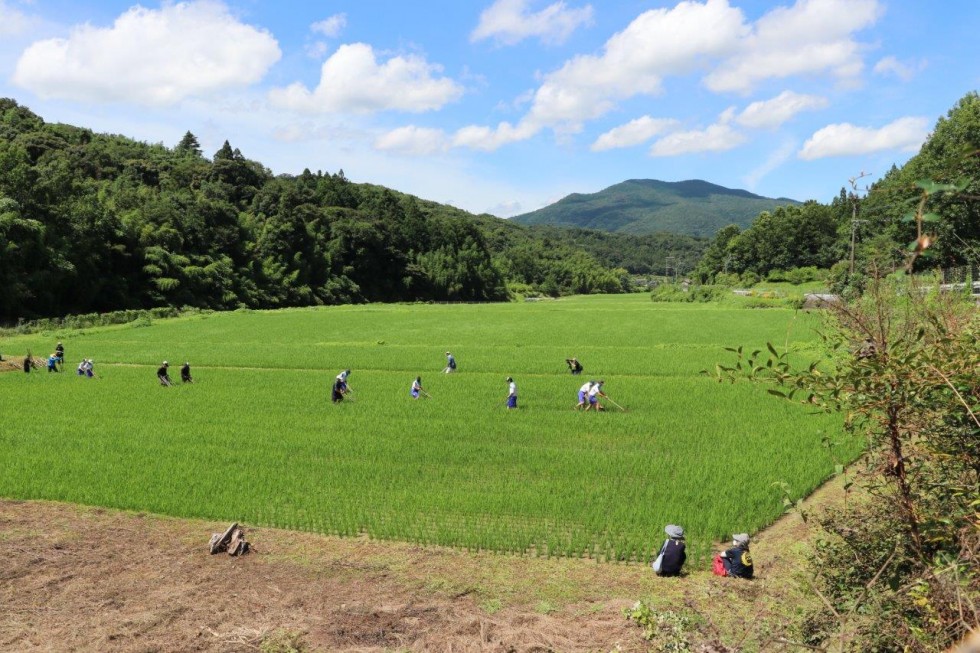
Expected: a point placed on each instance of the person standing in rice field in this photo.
(450, 363)
(511, 394)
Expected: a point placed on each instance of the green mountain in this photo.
(646, 206)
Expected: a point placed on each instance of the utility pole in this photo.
(854, 203)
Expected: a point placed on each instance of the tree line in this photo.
(871, 227)
(96, 222)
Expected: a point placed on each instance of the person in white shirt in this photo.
(594, 393)
(511, 393)
(342, 384)
(583, 395)
(417, 387)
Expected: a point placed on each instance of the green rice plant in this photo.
(256, 438)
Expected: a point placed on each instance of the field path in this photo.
(78, 578)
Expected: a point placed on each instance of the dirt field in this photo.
(85, 579)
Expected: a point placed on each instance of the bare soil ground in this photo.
(76, 578)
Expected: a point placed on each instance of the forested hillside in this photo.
(646, 206)
(942, 182)
(93, 222)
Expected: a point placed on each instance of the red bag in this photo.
(718, 566)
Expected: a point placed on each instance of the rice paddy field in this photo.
(257, 440)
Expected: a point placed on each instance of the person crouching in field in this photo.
(574, 366)
(337, 390)
(417, 387)
(163, 374)
(737, 561)
(185, 374)
(672, 556)
(583, 395)
(450, 363)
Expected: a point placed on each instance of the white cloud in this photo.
(13, 22)
(510, 22)
(154, 57)
(812, 36)
(780, 156)
(412, 140)
(846, 139)
(633, 133)
(634, 62)
(716, 138)
(317, 49)
(506, 209)
(769, 114)
(904, 71)
(306, 132)
(330, 27)
(353, 80)
(486, 139)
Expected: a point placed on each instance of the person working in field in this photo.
(450, 363)
(583, 395)
(338, 390)
(53, 363)
(511, 393)
(185, 373)
(594, 393)
(672, 556)
(59, 351)
(163, 374)
(737, 561)
(342, 379)
(574, 366)
(417, 387)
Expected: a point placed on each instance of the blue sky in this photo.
(504, 106)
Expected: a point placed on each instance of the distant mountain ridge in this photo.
(645, 206)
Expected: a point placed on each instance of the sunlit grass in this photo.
(256, 438)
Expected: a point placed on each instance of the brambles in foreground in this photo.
(897, 572)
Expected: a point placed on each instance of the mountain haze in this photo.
(645, 206)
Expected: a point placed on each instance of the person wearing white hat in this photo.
(185, 373)
(671, 558)
(450, 363)
(738, 560)
(164, 374)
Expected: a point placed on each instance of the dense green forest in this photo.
(880, 222)
(644, 206)
(92, 222)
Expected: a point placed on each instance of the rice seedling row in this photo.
(256, 438)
